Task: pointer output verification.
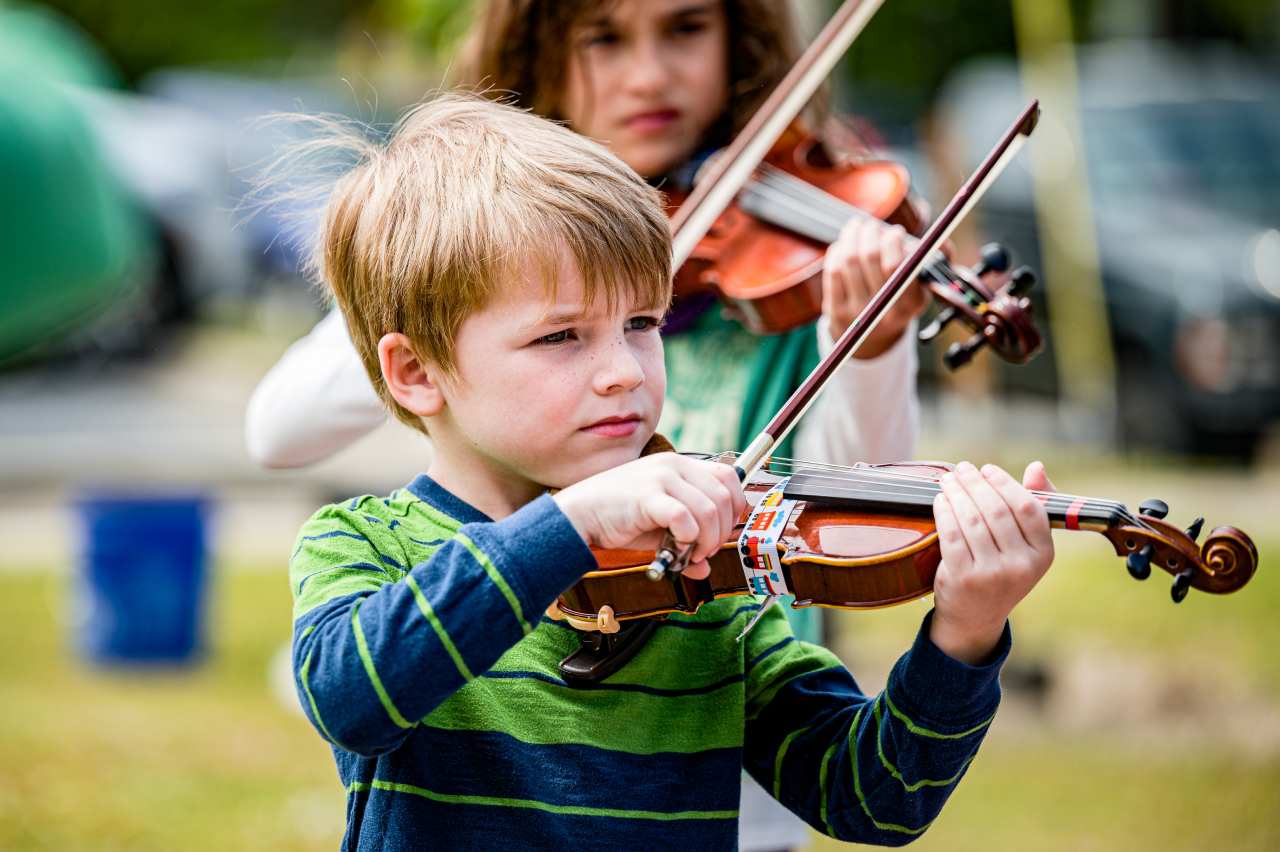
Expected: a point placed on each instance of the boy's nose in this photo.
(619, 370)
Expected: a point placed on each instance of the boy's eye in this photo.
(643, 323)
(555, 337)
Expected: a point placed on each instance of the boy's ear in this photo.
(413, 383)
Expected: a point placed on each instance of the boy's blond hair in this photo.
(469, 194)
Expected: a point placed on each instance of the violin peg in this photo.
(1139, 563)
(934, 328)
(1181, 585)
(962, 353)
(1023, 280)
(995, 258)
(1154, 508)
(1193, 531)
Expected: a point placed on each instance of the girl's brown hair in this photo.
(521, 48)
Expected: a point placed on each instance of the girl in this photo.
(663, 83)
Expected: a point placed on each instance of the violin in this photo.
(863, 537)
(756, 227)
(764, 255)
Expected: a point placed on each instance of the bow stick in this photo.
(670, 557)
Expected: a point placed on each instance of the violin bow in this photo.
(734, 166)
(670, 557)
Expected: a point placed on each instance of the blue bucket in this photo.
(142, 578)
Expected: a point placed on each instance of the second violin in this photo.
(764, 254)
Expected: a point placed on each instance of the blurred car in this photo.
(1182, 150)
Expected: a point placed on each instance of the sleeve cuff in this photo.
(537, 550)
(942, 692)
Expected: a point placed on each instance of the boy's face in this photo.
(648, 78)
(549, 391)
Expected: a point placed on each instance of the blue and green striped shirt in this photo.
(422, 656)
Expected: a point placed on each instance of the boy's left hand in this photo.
(996, 545)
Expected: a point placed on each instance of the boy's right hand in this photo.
(633, 505)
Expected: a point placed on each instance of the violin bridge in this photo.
(769, 601)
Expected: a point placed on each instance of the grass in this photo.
(199, 759)
(207, 759)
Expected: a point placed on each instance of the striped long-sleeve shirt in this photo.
(422, 656)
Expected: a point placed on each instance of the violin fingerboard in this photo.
(826, 490)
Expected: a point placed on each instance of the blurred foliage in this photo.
(909, 47)
(141, 35)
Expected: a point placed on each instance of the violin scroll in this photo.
(1225, 562)
(993, 302)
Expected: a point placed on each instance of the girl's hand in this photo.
(633, 505)
(857, 265)
(996, 546)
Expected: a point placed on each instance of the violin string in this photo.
(1052, 500)
(802, 200)
(805, 466)
(929, 485)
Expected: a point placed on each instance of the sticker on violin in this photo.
(758, 544)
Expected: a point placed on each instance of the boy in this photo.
(503, 280)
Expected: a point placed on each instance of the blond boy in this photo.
(504, 280)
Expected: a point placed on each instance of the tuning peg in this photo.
(934, 328)
(1193, 531)
(1181, 585)
(961, 353)
(995, 258)
(1154, 508)
(1139, 563)
(1023, 280)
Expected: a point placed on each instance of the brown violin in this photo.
(764, 255)
(756, 227)
(863, 537)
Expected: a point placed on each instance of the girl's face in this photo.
(648, 78)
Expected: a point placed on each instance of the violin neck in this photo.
(869, 491)
(1067, 512)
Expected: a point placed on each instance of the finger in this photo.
(868, 258)
(705, 477)
(728, 476)
(662, 512)
(996, 513)
(1036, 479)
(699, 570)
(972, 526)
(707, 538)
(951, 541)
(1028, 512)
(837, 265)
(893, 242)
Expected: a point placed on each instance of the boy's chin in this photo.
(588, 465)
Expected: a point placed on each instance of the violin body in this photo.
(770, 276)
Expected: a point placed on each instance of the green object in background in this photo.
(70, 239)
